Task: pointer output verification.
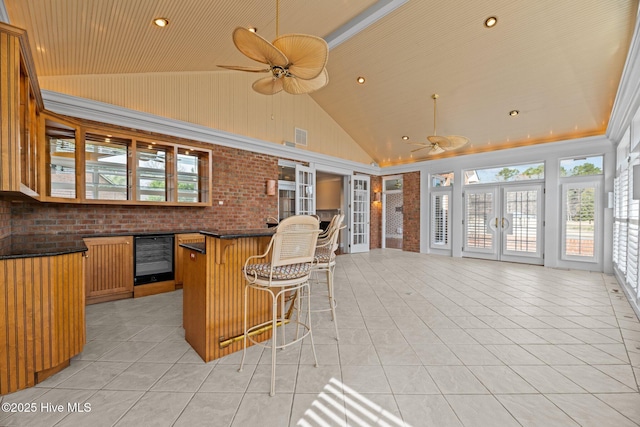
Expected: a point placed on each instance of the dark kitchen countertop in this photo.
(228, 235)
(235, 234)
(196, 247)
(39, 245)
(140, 233)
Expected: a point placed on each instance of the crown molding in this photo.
(112, 114)
(627, 99)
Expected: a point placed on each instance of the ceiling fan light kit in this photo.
(297, 62)
(439, 144)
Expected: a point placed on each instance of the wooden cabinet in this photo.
(180, 239)
(109, 269)
(42, 315)
(20, 106)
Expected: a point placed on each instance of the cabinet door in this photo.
(109, 268)
(183, 238)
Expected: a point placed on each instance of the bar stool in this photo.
(324, 235)
(283, 270)
(325, 261)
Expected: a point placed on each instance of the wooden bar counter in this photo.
(41, 307)
(213, 286)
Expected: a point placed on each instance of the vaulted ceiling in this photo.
(558, 63)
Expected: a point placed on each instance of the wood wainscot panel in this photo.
(227, 293)
(195, 302)
(214, 298)
(42, 306)
(109, 273)
(183, 238)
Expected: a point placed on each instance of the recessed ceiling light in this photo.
(253, 29)
(360, 80)
(161, 22)
(514, 113)
(490, 22)
(405, 137)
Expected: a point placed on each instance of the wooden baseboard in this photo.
(153, 288)
(43, 375)
(105, 298)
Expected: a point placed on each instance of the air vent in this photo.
(301, 137)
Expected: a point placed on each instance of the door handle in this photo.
(496, 225)
(503, 222)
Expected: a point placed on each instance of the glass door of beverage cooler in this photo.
(153, 259)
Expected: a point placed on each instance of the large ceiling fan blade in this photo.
(249, 69)
(436, 149)
(421, 148)
(267, 85)
(298, 86)
(441, 141)
(307, 54)
(258, 48)
(456, 141)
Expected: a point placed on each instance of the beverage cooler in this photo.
(153, 258)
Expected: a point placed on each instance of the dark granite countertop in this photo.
(39, 245)
(28, 246)
(140, 233)
(235, 234)
(197, 247)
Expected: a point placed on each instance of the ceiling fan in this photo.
(439, 144)
(296, 61)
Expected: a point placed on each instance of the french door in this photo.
(359, 218)
(504, 222)
(305, 194)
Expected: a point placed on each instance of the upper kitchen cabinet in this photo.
(20, 106)
(55, 158)
(98, 163)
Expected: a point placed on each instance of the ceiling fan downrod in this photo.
(434, 96)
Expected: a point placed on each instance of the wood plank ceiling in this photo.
(557, 62)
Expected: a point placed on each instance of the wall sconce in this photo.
(271, 187)
(377, 196)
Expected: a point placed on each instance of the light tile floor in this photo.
(424, 341)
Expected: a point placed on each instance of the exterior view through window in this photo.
(580, 179)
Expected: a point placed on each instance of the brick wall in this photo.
(5, 218)
(411, 211)
(375, 221)
(239, 181)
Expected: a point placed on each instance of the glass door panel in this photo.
(504, 222)
(359, 223)
(521, 222)
(305, 194)
(480, 223)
